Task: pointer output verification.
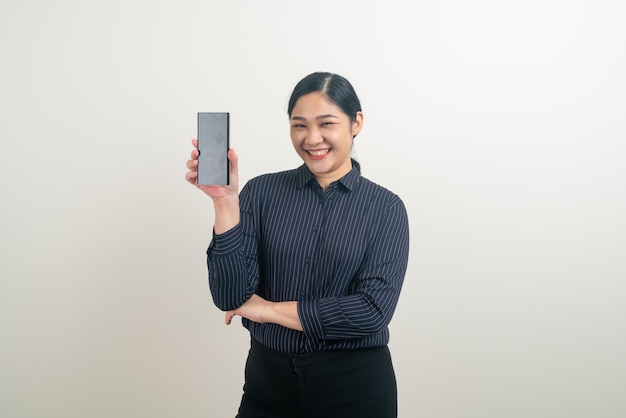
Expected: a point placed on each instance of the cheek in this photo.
(296, 136)
(344, 139)
(296, 139)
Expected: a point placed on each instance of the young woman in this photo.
(313, 260)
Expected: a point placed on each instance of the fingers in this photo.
(191, 177)
(192, 164)
(214, 192)
(192, 174)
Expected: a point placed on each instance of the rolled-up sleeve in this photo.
(232, 260)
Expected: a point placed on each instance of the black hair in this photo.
(336, 88)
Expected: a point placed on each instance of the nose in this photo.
(313, 136)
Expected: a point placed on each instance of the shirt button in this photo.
(307, 260)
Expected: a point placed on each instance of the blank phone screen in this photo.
(213, 143)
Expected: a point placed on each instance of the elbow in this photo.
(376, 323)
(224, 306)
(376, 327)
(228, 304)
(228, 301)
(377, 318)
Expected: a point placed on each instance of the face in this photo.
(322, 134)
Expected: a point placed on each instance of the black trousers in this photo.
(343, 384)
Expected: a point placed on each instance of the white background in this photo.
(501, 124)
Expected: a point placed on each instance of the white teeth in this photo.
(318, 153)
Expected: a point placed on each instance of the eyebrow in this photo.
(318, 117)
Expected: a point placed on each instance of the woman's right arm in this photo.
(232, 261)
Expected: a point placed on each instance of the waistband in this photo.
(307, 359)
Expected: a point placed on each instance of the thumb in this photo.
(228, 316)
(234, 163)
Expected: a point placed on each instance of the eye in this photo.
(327, 123)
(297, 126)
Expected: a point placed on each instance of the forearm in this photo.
(285, 314)
(233, 269)
(366, 312)
(259, 310)
(352, 316)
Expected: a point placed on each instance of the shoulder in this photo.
(378, 194)
(271, 183)
(281, 177)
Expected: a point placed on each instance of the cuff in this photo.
(308, 311)
(226, 243)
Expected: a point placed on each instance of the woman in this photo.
(313, 260)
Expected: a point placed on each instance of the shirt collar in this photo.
(349, 181)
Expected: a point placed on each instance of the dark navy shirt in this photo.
(341, 254)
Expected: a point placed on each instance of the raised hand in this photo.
(215, 192)
(225, 198)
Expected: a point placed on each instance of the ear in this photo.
(357, 124)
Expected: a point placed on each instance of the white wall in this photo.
(501, 124)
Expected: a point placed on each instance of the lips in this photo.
(318, 154)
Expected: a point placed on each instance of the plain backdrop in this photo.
(501, 124)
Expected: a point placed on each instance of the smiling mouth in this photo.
(318, 152)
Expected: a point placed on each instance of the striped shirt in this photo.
(341, 254)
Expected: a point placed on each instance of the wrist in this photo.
(226, 213)
(270, 313)
(227, 202)
(285, 314)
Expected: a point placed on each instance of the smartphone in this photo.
(213, 144)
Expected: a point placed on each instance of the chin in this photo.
(321, 166)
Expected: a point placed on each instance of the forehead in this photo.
(315, 104)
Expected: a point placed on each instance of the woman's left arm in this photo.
(369, 309)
